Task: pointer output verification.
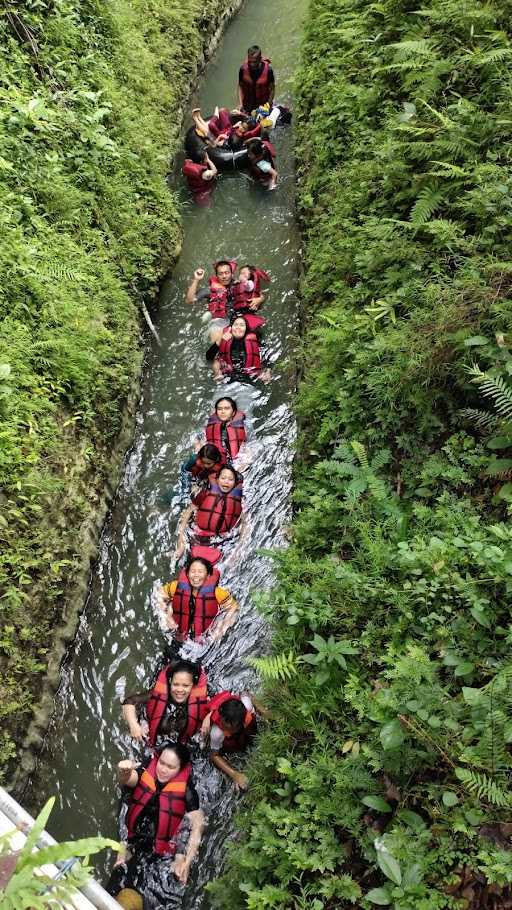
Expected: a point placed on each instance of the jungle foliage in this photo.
(90, 95)
(384, 777)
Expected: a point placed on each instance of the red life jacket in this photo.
(235, 432)
(220, 296)
(269, 156)
(232, 742)
(159, 699)
(255, 92)
(252, 355)
(217, 512)
(192, 173)
(206, 607)
(242, 297)
(171, 805)
(198, 469)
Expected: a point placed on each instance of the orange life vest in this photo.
(160, 697)
(231, 442)
(217, 512)
(206, 605)
(236, 742)
(171, 805)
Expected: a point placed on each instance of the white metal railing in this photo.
(14, 817)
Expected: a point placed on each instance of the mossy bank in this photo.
(91, 114)
(384, 776)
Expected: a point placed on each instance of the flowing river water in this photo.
(118, 638)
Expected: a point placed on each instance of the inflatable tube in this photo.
(223, 158)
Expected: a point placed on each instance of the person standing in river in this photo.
(256, 81)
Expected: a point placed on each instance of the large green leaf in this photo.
(392, 735)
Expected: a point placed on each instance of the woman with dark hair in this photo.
(194, 600)
(238, 354)
(173, 708)
(216, 511)
(226, 428)
(161, 825)
(208, 460)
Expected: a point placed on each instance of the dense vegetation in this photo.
(384, 778)
(90, 98)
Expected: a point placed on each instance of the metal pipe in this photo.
(92, 890)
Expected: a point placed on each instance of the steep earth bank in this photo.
(384, 777)
(91, 115)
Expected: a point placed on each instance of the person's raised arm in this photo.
(190, 296)
(240, 780)
(182, 862)
(126, 773)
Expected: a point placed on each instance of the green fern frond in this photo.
(278, 667)
(427, 202)
(481, 420)
(447, 169)
(483, 787)
(493, 387)
(360, 451)
(57, 270)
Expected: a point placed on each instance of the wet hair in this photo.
(256, 147)
(181, 752)
(227, 467)
(185, 666)
(210, 451)
(232, 712)
(231, 401)
(254, 49)
(208, 566)
(222, 262)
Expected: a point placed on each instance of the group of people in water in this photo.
(236, 139)
(179, 717)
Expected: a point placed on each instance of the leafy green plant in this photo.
(27, 886)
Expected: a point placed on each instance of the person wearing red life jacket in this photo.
(161, 824)
(226, 428)
(230, 726)
(215, 512)
(199, 467)
(195, 604)
(218, 295)
(238, 356)
(261, 160)
(201, 179)
(248, 296)
(173, 708)
(256, 81)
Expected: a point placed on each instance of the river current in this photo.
(118, 638)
